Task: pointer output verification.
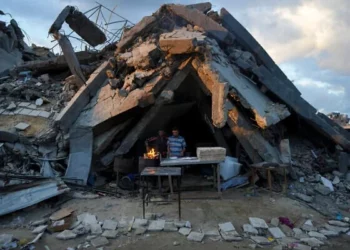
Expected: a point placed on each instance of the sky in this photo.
(308, 39)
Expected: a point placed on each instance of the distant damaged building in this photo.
(202, 71)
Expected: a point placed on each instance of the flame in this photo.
(152, 154)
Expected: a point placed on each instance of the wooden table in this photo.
(159, 171)
(181, 162)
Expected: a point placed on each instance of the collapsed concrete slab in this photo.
(203, 7)
(180, 41)
(71, 112)
(196, 17)
(248, 42)
(218, 70)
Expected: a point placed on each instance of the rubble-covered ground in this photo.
(204, 215)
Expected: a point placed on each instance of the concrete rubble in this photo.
(71, 120)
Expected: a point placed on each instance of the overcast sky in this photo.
(308, 39)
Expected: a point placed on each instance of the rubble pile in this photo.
(279, 233)
(14, 50)
(341, 119)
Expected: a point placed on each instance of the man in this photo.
(176, 144)
(159, 143)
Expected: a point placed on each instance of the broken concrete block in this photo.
(338, 223)
(260, 240)
(276, 232)
(39, 222)
(336, 229)
(39, 102)
(275, 222)
(312, 242)
(139, 223)
(230, 236)
(66, 235)
(329, 233)
(170, 227)
(247, 228)
(219, 106)
(81, 229)
(180, 41)
(140, 231)
(195, 236)
(35, 113)
(39, 229)
(156, 225)
(144, 56)
(99, 241)
(298, 246)
(95, 229)
(24, 104)
(298, 233)
(257, 222)
(213, 232)
(87, 218)
(22, 126)
(110, 225)
(25, 111)
(202, 7)
(319, 188)
(12, 106)
(304, 197)
(226, 227)
(317, 235)
(44, 114)
(110, 234)
(31, 106)
(185, 231)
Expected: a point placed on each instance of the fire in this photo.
(151, 154)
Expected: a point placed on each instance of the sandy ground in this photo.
(235, 206)
(37, 124)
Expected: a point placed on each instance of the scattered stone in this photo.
(258, 223)
(139, 223)
(304, 197)
(276, 232)
(188, 224)
(95, 229)
(75, 224)
(317, 235)
(287, 230)
(22, 126)
(180, 224)
(24, 104)
(25, 111)
(175, 243)
(110, 225)
(185, 231)
(39, 102)
(230, 236)
(337, 173)
(247, 228)
(195, 236)
(275, 222)
(11, 106)
(156, 225)
(110, 234)
(286, 241)
(66, 235)
(297, 246)
(99, 242)
(298, 233)
(226, 227)
(279, 247)
(336, 229)
(39, 229)
(213, 232)
(336, 180)
(338, 223)
(90, 237)
(44, 114)
(319, 188)
(87, 218)
(329, 233)
(35, 113)
(39, 222)
(260, 240)
(308, 226)
(81, 229)
(140, 231)
(32, 106)
(312, 242)
(170, 227)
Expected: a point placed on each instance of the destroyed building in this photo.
(204, 72)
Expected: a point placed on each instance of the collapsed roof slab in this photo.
(140, 28)
(71, 112)
(218, 70)
(202, 7)
(162, 99)
(196, 17)
(256, 146)
(248, 42)
(300, 106)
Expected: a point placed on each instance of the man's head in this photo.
(175, 131)
(161, 132)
